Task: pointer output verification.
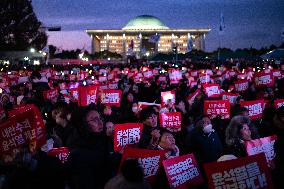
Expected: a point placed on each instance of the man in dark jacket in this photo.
(205, 142)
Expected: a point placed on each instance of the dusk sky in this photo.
(248, 23)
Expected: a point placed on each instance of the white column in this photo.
(107, 41)
(124, 44)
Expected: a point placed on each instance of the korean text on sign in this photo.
(182, 171)
(213, 108)
(242, 173)
(61, 153)
(128, 133)
(149, 160)
(255, 108)
(171, 120)
(111, 97)
(262, 145)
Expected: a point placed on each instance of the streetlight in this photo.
(32, 50)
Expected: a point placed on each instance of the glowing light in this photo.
(26, 58)
(36, 62)
(166, 63)
(84, 83)
(6, 62)
(81, 55)
(32, 50)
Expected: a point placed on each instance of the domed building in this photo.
(146, 35)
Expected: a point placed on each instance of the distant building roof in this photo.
(145, 22)
(275, 54)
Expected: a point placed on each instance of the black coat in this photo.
(146, 137)
(86, 165)
(206, 147)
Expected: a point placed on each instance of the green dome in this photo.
(145, 22)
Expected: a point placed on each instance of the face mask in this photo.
(207, 129)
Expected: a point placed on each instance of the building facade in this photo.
(147, 35)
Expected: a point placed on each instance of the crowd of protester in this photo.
(88, 131)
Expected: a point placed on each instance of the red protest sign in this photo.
(142, 105)
(263, 145)
(229, 96)
(61, 153)
(182, 171)
(128, 133)
(254, 107)
(24, 126)
(87, 95)
(204, 78)
(278, 103)
(193, 95)
(162, 78)
(242, 76)
(212, 90)
(175, 76)
(50, 94)
(213, 108)
(149, 160)
(168, 96)
(241, 86)
(113, 85)
(148, 74)
(232, 73)
(111, 97)
(194, 73)
(277, 74)
(102, 78)
(171, 120)
(263, 79)
(73, 85)
(248, 172)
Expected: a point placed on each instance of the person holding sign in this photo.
(238, 131)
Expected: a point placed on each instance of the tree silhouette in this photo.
(19, 26)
